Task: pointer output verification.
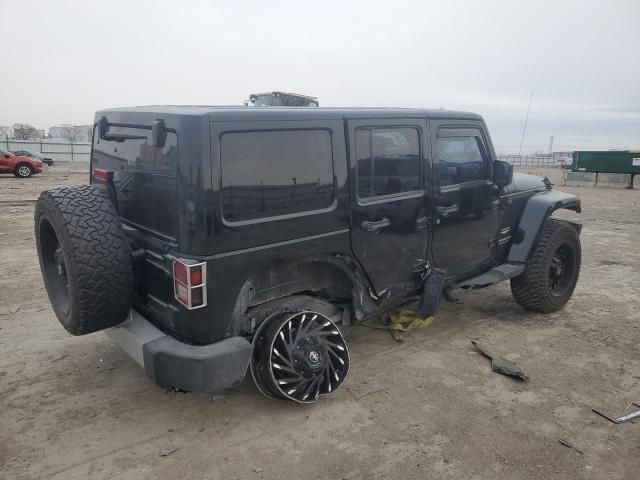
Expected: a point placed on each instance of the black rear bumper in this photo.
(171, 363)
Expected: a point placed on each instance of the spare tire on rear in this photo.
(84, 257)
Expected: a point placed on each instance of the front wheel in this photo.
(552, 270)
(23, 171)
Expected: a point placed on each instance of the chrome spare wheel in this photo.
(299, 356)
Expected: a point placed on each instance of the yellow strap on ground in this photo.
(406, 320)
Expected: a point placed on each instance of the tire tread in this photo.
(530, 288)
(102, 286)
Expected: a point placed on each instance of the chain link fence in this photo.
(74, 157)
(543, 161)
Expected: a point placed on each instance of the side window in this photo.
(277, 172)
(461, 159)
(388, 161)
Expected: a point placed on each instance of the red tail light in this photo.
(189, 283)
(104, 175)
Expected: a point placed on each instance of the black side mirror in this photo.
(6, 155)
(158, 133)
(502, 173)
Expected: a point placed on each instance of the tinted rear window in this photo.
(277, 172)
(145, 178)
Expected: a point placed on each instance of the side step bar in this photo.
(497, 274)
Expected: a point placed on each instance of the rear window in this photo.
(145, 177)
(276, 172)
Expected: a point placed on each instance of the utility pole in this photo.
(526, 119)
(551, 145)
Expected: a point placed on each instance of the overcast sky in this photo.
(62, 60)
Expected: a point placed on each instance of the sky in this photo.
(63, 60)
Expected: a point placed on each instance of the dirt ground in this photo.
(78, 407)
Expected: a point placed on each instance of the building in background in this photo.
(24, 131)
(72, 133)
(6, 132)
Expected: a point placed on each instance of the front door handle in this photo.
(375, 227)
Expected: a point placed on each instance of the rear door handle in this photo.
(375, 227)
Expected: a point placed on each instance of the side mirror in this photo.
(158, 133)
(6, 155)
(502, 173)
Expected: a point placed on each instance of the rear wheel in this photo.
(299, 356)
(23, 171)
(552, 270)
(84, 258)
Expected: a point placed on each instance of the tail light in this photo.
(190, 283)
(103, 175)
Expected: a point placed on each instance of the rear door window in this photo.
(144, 177)
(276, 172)
(388, 161)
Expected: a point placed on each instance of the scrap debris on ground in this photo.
(500, 364)
(623, 418)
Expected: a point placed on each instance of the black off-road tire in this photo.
(84, 257)
(534, 288)
(23, 170)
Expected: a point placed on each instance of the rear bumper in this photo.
(170, 363)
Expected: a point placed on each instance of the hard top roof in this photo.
(277, 92)
(231, 113)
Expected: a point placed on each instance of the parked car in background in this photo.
(20, 165)
(35, 155)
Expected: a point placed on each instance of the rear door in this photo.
(388, 202)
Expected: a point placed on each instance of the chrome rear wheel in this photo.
(299, 357)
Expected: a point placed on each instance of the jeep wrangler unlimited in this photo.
(216, 240)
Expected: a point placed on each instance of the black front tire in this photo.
(23, 171)
(551, 271)
(84, 257)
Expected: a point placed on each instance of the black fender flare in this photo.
(537, 210)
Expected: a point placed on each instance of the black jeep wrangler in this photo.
(213, 240)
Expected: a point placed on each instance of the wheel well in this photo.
(335, 282)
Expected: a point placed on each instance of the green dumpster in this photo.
(617, 161)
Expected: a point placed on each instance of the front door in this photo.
(466, 203)
(389, 207)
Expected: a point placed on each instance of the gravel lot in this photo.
(78, 407)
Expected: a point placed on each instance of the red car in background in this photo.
(19, 165)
